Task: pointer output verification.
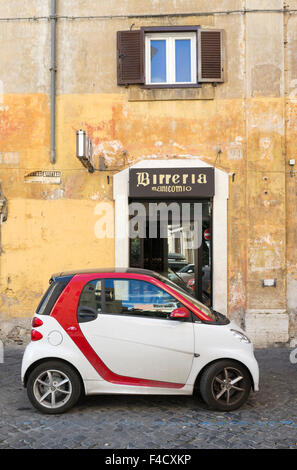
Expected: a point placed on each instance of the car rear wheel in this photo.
(225, 385)
(53, 387)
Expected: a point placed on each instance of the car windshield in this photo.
(188, 296)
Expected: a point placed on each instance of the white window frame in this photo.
(170, 39)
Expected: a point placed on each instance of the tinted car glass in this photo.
(91, 295)
(174, 277)
(137, 298)
(189, 297)
(52, 294)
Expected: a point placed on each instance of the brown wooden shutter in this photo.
(211, 55)
(130, 57)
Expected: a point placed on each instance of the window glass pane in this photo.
(158, 61)
(183, 60)
(45, 299)
(133, 297)
(189, 297)
(91, 295)
(51, 296)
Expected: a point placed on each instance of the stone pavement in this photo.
(268, 420)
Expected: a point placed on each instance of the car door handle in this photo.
(85, 314)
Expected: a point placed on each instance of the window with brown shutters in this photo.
(211, 55)
(132, 58)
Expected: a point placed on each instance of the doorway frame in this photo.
(198, 253)
(219, 221)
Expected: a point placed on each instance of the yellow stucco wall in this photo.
(246, 126)
(48, 219)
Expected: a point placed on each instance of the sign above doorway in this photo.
(171, 183)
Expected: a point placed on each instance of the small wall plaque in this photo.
(44, 177)
(268, 282)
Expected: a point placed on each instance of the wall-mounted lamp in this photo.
(292, 164)
(84, 150)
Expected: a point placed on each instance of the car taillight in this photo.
(35, 335)
(36, 322)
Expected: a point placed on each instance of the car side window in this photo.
(137, 298)
(91, 296)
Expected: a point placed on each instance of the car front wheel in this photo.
(53, 387)
(225, 385)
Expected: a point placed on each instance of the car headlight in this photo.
(241, 336)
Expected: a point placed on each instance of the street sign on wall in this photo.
(43, 176)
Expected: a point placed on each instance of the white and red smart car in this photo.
(132, 331)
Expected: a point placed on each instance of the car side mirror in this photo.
(180, 313)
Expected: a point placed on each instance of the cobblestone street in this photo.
(268, 420)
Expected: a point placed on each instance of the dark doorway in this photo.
(172, 255)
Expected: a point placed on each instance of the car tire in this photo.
(54, 387)
(225, 385)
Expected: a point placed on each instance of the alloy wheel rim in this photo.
(52, 389)
(227, 386)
